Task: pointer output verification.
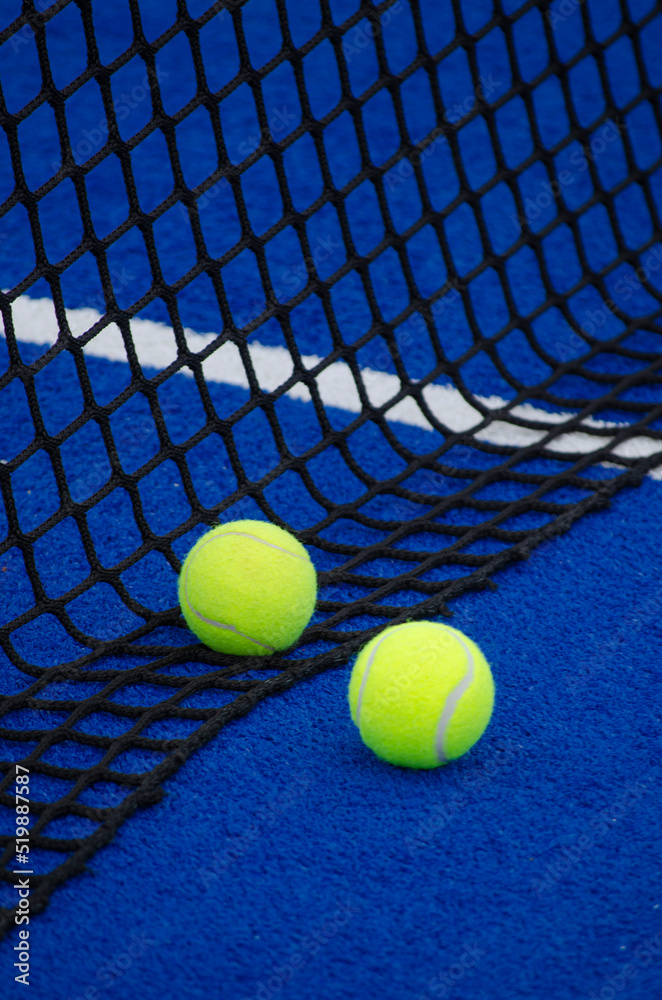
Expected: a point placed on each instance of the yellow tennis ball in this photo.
(247, 588)
(421, 694)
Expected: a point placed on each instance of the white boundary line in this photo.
(35, 323)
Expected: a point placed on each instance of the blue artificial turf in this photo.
(285, 860)
(540, 848)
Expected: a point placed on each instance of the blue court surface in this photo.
(284, 859)
(540, 849)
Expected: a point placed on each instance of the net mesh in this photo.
(448, 485)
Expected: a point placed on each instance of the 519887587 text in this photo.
(22, 885)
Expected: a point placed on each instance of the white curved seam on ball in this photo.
(364, 679)
(212, 621)
(272, 545)
(451, 701)
(229, 628)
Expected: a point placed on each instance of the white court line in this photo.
(35, 323)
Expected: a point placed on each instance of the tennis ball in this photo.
(421, 694)
(247, 588)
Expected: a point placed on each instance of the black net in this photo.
(448, 483)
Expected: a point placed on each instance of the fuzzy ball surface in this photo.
(421, 694)
(248, 588)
